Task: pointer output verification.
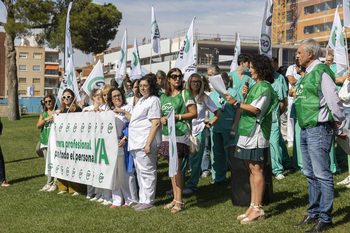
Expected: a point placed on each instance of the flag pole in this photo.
(150, 60)
(346, 46)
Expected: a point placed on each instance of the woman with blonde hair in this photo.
(104, 91)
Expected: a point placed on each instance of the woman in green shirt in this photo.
(44, 123)
(185, 110)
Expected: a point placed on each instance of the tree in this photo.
(92, 27)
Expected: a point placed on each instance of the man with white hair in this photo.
(319, 110)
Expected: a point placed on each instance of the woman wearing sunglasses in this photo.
(44, 123)
(125, 193)
(185, 110)
(69, 105)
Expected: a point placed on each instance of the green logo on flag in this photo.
(188, 46)
(75, 127)
(96, 82)
(100, 178)
(109, 128)
(82, 127)
(88, 174)
(123, 55)
(136, 59)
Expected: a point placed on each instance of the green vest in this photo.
(45, 130)
(249, 120)
(307, 101)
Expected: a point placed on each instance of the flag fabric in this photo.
(135, 67)
(144, 71)
(69, 80)
(265, 34)
(95, 80)
(173, 158)
(185, 57)
(193, 67)
(121, 62)
(155, 34)
(346, 10)
(234, 64)
(336, 42)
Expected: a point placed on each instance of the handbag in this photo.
(194, 141)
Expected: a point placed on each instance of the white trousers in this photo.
(290, 122)
(125, 191)
(146, 169)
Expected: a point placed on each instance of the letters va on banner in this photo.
(82, 149)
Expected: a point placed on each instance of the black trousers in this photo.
(2, 167)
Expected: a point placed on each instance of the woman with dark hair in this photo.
(195, 85)
(254, 131)
(185, 110)
(69, 105)
(125, 192)
(132, 101)
(145, 139)
(44, 123)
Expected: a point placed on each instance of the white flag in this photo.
(121, 62)
(69, 80)
(265, 34)
(155, 34)
(95, 80)
(193, 67)
(234, 64)
(144, 71)
(185, 57)
(135, 68)
(346, 10)
(173, 158)
(336, 42)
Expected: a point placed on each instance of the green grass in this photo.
(24, 209)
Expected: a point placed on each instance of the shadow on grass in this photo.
(20, 160)
(346, 219)
(25, 179)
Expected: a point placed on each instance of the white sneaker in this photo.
(345, 181)
(52, 188)
(290, 144)
(88, 197)
(62, 192)
(100, 200)
(107, 202)
(94, 199)
(205, 174)
(76, 194)
(280, 177)
(46, 187)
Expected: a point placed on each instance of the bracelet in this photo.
(179, 117)
(210, 124)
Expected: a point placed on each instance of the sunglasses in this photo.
(175, 76)
(66, 97)
(48, 101)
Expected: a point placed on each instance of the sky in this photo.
(225, 17)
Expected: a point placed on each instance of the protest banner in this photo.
(83, 148)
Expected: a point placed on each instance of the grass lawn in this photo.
(24, 209)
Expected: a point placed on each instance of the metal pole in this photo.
(71, 104)
(150, 61)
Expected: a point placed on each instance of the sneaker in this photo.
(62, 192)
(136, 206)
(94, 199)
(52, 188)
(169, 192)
(88, 197)
(345, 181)
(290, 144)
(205, 174)
(76, 194)
(280, 177)
(145, 207)
(106, 203)
(5, 184)
(101, 200)
(113, 206)
(187, 191)
(45, 188)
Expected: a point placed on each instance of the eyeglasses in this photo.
(48, 101)
(66, 97)
(143, 86)
(195, 81)
(116, 96)
(175, 76)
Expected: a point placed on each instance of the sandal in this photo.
(5, 184)
(170, 205)
(257, 219)
(177, 209)
(243, 216)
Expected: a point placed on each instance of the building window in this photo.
(36, 80)
(36, 93)
(309, 10)
(22, 80)
(23, 55)
(289, 16)
(22, 92)
(37, 56)
(22, 67)
(36, 68)
(289, 35)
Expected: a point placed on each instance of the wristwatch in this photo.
(238, 104)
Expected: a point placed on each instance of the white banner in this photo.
(95, 80)
(135, 65)
(155, 34)
(121, 62)
(265, 34)
(234, 64)
(185, 57)
(346, 10)
(83, 148)
(173, 158)
(193, 67)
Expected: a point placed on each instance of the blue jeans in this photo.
(315, 145)
(206, 155)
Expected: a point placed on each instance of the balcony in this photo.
(51, 73)
(52, 60)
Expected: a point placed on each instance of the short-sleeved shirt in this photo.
(281, 92)
(291, 71)
(203, 105)
(177, 102)
(239, 83)
(256, 138)
(140, 123)
(280, 78)
(45, 130)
